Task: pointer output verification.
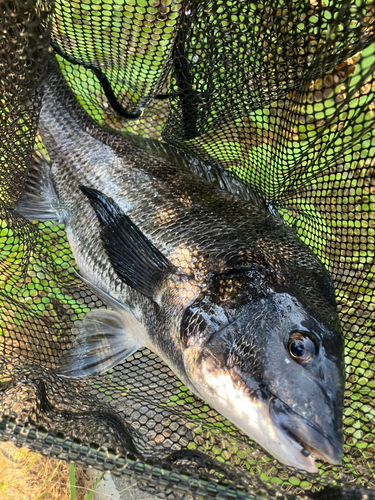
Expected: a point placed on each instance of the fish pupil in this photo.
(297, 349)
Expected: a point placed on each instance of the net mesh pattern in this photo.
(278, 95)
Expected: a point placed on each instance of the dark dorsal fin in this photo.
(135, 259)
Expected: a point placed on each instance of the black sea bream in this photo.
(220, 288)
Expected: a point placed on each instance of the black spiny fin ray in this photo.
(135, 259)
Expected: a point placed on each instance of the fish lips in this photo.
(307, 434)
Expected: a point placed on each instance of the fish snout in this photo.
(324, 443)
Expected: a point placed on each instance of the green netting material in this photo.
(278, 95)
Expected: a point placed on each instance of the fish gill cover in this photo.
(280, 96)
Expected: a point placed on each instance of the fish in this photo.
(218, 286)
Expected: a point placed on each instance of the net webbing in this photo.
(280, 96)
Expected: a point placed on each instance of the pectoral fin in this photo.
(135, 259)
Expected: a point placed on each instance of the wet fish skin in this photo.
(236, 283)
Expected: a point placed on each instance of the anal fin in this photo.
(38, 195)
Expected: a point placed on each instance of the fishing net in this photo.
(275, 95)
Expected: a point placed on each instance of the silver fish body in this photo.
(221, 289)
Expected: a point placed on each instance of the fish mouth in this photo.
(290, 437)
(308, 435)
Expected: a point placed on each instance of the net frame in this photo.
(23, 100)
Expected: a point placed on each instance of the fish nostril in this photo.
(321, 373)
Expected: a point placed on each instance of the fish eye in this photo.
(301, 347)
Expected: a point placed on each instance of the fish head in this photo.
(270, 364)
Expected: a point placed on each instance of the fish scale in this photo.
(219, 287)
(60, 132)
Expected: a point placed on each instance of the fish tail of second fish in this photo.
(38, 200)
(104, 338)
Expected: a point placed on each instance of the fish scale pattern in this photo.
(277, 95)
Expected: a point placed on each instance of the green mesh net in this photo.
(278, 96)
